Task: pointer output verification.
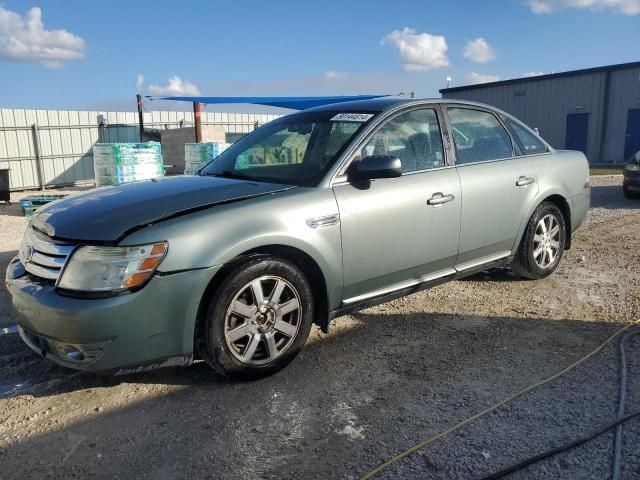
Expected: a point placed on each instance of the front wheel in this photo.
(259, 318)
(542, 244)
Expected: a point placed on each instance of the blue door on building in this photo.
(577, 130)
(632, 140)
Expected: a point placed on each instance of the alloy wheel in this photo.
(546, 242)
(262, 320)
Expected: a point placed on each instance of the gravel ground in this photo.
(381, 381)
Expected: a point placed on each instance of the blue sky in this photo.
(293, 47)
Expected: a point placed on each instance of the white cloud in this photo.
(334, 75)
(474, 77)
(24, 39)
(176, 87)
(532, 74)
(479, 51)
(626, 7)
(139, 82)
(418, 51)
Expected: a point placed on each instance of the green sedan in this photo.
(310, 217)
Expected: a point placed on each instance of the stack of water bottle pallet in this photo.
(197, 155)
(117, 163)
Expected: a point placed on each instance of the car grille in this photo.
(42, 256)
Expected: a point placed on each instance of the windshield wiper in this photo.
(244, 176)
(229, 174)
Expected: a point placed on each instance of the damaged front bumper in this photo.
(150, 328)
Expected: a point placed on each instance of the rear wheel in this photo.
(542, 244)
(259, 319)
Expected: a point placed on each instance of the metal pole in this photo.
(140, 116)
(36, 148)
(197, 120)
(101, 128)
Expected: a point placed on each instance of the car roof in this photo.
(380, 104)
(373, 105)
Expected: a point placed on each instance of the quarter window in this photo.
(414, 137)
(478, 136)
(529, 143)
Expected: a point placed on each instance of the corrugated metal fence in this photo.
(54, 147)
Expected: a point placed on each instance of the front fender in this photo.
(215, 236)
(323, 251)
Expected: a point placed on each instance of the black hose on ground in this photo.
(622, 398)
(509, 399)
(563, 448)
(621, 419)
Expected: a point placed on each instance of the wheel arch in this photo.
(559, 201)
(301, 259)
(562, 203)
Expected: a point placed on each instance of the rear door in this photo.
(497, 185)
(398, 232)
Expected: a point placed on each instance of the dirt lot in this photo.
(380, 382)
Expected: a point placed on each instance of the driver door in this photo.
(399, 232)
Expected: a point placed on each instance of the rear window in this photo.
(529, 142)
(478, 136)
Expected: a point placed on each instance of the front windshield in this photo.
(297, 149)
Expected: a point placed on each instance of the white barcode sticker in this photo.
(352, 117)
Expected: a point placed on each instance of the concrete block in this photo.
(174, 140)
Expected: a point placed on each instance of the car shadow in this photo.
(612, 197)
(24, 372)
(388, 372)
(496, 275)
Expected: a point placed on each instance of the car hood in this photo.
(107, 214)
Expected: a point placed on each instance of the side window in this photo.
(529, 143)
(478, 136)
(414, 137)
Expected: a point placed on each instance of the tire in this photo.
(530, 262)
(245, 342)
(629, 194)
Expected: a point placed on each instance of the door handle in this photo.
(524, 181)
(439, 199)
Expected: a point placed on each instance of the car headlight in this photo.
(105, 269)
(632, 167)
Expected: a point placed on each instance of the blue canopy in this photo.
(295, 103)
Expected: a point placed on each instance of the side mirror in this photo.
(376, 166)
